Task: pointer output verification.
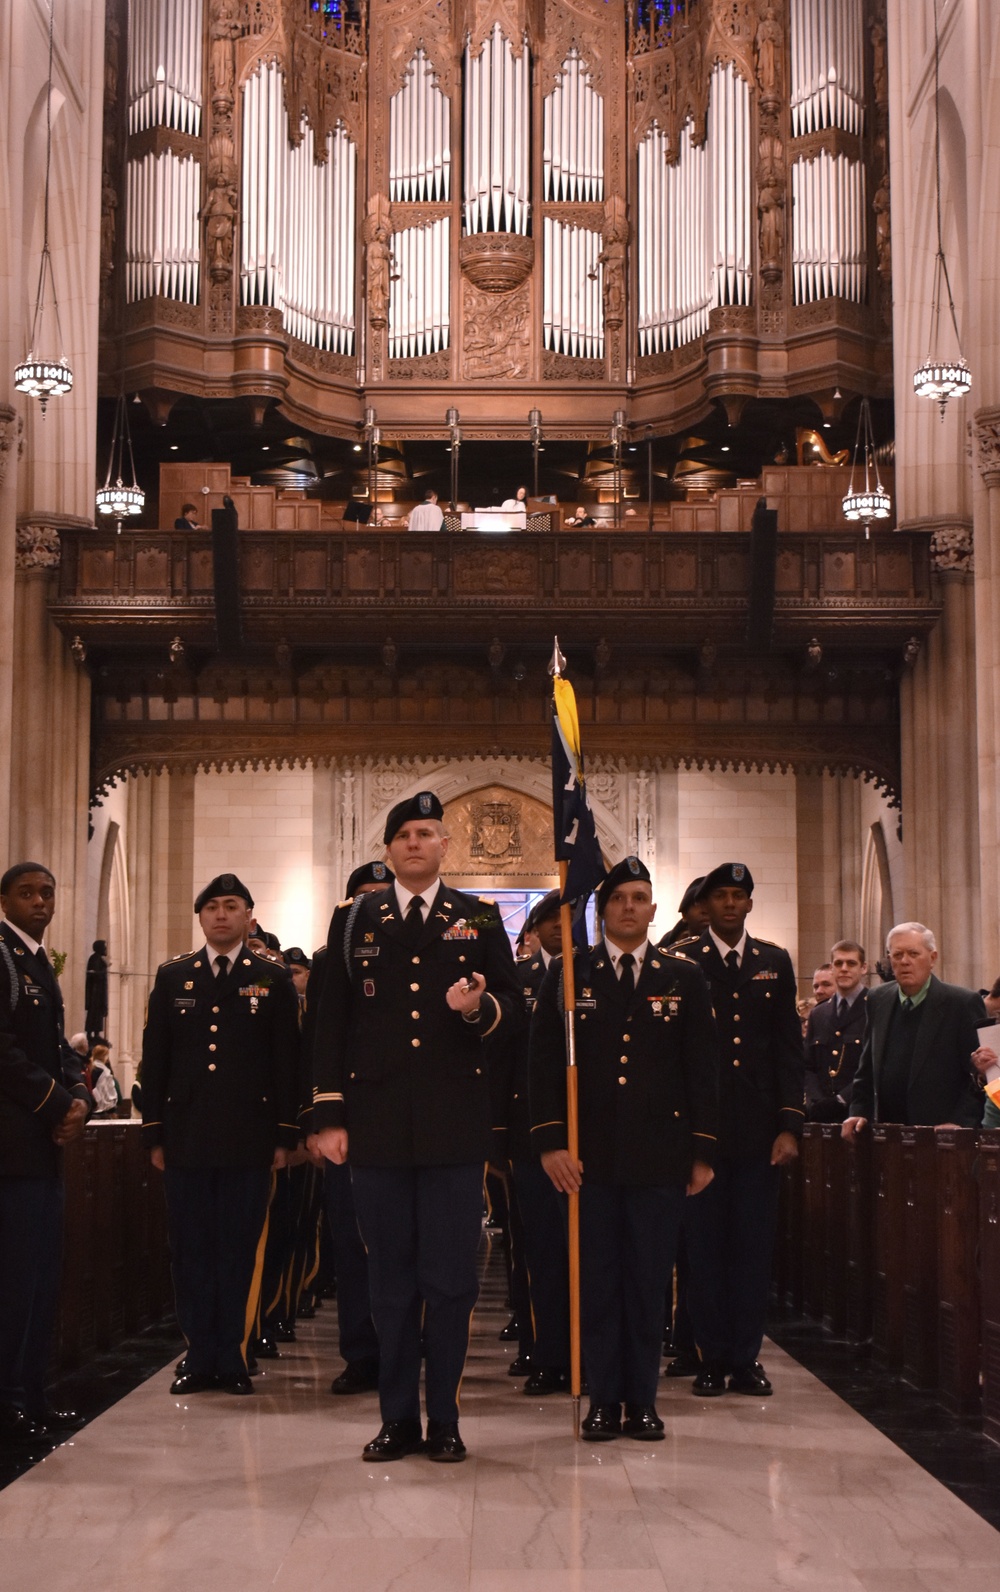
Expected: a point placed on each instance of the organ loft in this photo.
(669, 264)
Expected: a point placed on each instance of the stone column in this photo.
(10, 438)
(940, 798)
(987, 628)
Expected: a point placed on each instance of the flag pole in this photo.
(572, 1114)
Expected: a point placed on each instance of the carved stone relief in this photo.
(496, 334)
(37, 547)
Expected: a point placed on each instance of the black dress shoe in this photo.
(284, 1331)
(642, 1422)
(306, 1311)
(509, 1333)
(236, 1382)
(521, 1366)
(359, 1376)
(191, 1382)
(266, 1349)
(602, 1423)
(546, 1380)
(710, 1381)
(444, 1444)
(16, 1426)
(181, 1366)
(53, 1420)
(394, 1441)
(751, 1379)
(686, 1363)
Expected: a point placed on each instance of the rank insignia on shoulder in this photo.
(489, 901)
(346, 903)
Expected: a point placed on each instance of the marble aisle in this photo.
(241, 1495)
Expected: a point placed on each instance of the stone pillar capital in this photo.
(11, 436)
(37, 546)
(987, 433)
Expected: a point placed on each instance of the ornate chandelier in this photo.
(872, 501)
(45, 378)
(941, 378)
(119, 498)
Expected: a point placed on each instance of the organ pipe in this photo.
(572, 290)
(165, 65)
(573, 136)
(419, 319)
(827, 53)
(163, 200)
(695, 221)
(829, 240)
(298, 219)
(419, 136)
(496, 164)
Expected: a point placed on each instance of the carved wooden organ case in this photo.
(494, 206)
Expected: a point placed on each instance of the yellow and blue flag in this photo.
(575, 832)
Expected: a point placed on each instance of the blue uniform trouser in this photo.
(730, 1229)
(31, 1243)
(350, 1261)
(547, 1258)
(628, 1242)
(215, 1216)
(421, 1226)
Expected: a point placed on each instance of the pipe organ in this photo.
(419, 313)
(827, 51)
(497, 150)
(573, 135)
(162, 253)
(165, 65)
(298, 219)
(419, 136)
(571, 206)
(694, 220)
(829, 244)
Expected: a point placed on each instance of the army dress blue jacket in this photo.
(39, 1075)
(647, 1069)
(220, 1057)
(392, 1062)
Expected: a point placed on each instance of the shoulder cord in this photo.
(348, 931)
(8, 961)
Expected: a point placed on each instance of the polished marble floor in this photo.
(219, 1494)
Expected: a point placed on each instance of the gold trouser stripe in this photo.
(253, 1299)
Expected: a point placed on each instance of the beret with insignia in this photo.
(224, 884)
(423, 805)
(727, 876)
(296, 957)
(628, 871)
(377, 873)
(547, 907)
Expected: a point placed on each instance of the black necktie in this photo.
(414, 920)
(733, 962)
(46, 976)
(627, 977)
(842, 1008)
(221, 966)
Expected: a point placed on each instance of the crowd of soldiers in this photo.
(330, 1118)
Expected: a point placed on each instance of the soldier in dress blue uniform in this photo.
(835, 1034)
(648, 1086)
(358, 1341)
(543, 1226)
(220, 1087)
(730, 1231)
(416, 976)
(44, 1104)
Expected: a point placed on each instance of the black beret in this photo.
(690, 895)
(423, 805)
(547, 907)
(369, 873)
(628, 871)
(224, 884)
(296, 957)
(728, 875)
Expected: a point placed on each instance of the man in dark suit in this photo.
(187, 520)
(647, 1060)
(220, 1096)
(835, 1033)
(416, 976)
(44, 1104)
(916, 1064)
(730, 1229)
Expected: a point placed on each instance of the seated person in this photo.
(518, 501)
(427, 516)
(188, 519)
(581, 517)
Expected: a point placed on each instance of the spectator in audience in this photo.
(581, 517)
(427, 516)
(835, 1033)
(187, 519)
(916, 1063)
(100, 1080)
(991, 1000)
(824, 982)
